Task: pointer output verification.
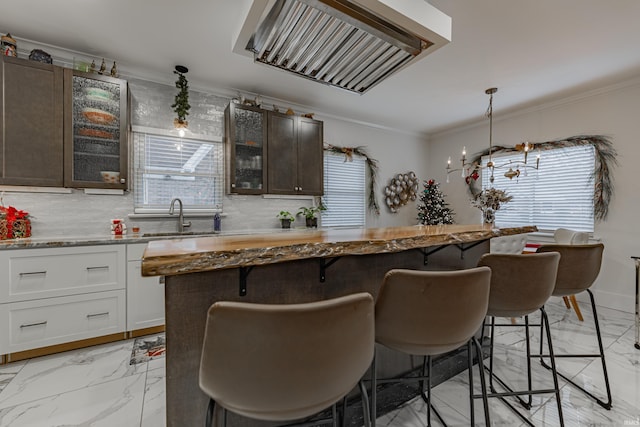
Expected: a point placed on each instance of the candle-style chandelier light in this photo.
(472, 170)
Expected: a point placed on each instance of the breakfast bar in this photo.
(287, 267)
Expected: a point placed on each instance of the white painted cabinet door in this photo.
(145, 295)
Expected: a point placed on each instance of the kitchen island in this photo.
(288, 267)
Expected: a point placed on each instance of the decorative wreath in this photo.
(372, 164)
(401, 189)
(605, 161)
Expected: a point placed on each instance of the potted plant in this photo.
(181, 106)
(311, 214)
(286, 218)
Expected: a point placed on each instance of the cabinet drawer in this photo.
(43, 273)
(33, 324)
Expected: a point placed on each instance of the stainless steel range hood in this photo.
(353, 45)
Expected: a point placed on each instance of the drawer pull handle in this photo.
(89, 316)
(33, 324)
(33, 273)
(102, 267)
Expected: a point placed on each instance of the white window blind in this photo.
(166, 167)
(558, 194)
(344, 191)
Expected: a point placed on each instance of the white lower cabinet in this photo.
(52, 296)
(41, 323)
(58, 295)
(145, 295)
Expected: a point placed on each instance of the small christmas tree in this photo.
(434, 210)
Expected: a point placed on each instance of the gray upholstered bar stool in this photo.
(579, 267)
(286, 362)
(427, 313)
(520, 286)
(565, 236)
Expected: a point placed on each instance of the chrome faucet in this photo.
(181, 224)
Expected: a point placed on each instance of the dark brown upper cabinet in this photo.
(295, 161)
(31, 130)
(246, 149)
(95, 131)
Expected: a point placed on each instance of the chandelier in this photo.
(472, 170)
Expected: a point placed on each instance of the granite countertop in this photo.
(106, 239)
(189, 255)
(129, 238)
(63, 241)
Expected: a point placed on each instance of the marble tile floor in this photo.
(98, 386)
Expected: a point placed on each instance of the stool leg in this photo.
(566, 302)
(373, 408)
(545, 321)
(428, 363)
(528, 403)
(470, 364)
(365, 404)
(576, 307)
(607, 404)
(209, 420)
(483, 383)
(491, 337)
(334, 415)
(342, 411)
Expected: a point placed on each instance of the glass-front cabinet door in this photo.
(246, 137)
(95, 131)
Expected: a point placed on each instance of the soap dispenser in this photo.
(217, 222)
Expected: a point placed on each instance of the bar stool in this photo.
(286, 362)
(427, 313)
(520, 285)
(579, 267)
(565, 236)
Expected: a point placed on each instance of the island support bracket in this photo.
(463, 248)
(244, 272)
(324, 264)
(426, 253)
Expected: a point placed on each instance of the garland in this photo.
(372, 164)
(605, 161)
(181, 105)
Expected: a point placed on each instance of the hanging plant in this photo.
(372, 164)
(606, 160)
(181, 105)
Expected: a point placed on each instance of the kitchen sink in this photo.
(177, 234)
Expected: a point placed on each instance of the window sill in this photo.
(186, 214)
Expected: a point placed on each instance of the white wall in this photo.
(611, 111)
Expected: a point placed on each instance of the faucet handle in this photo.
(186, 224)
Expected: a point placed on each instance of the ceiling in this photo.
(533, 51)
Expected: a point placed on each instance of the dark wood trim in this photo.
(145, 331)
(59, 348)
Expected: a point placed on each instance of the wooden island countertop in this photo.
(285, 267)
(199, 254)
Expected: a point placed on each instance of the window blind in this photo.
(558, 194)
(167, 167)
(344, 191)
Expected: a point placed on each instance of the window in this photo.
(559, 194)
(168, 167)
(344, 191)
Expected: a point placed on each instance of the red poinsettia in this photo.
(9, 215)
